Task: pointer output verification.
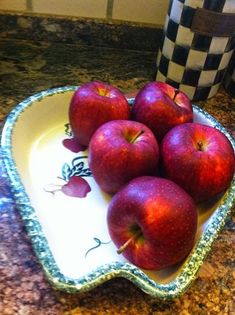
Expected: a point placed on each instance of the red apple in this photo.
(161, 107)
(120, 150)
(153, 222)
(199, 158)
(93, 104)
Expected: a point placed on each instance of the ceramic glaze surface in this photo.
(69, 234)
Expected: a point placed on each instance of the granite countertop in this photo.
(28, 66)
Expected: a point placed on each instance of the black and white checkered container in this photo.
(190, 61)
(229, 78)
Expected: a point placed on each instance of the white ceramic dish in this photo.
(63, 229)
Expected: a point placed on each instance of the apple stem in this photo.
(137, 135)
(200, 146)
(176, 93)
(127, 243)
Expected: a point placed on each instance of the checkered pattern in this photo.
(192, 62)
(229, 78)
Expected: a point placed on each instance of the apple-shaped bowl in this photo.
(69, 234)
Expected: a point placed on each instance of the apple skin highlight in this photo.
(164, 213)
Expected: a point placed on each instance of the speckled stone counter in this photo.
(29, 66)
